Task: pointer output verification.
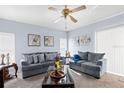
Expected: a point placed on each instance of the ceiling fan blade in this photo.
(73, 19)
(78, 9)
(58, 19)
(53, 9)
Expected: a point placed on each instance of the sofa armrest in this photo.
(24, 63)
(103, 64)
(61, 58)
(71, 60)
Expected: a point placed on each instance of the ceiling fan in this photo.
(66, 12)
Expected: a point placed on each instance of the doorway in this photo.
(7, 46)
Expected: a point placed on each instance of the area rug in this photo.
(81, 80)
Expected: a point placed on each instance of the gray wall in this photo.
(21, 30)
(91, 29)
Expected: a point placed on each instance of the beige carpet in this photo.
(81, 81)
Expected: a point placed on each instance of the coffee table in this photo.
(65, 82)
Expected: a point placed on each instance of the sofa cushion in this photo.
(35, 57)
(29, 59)
(91, 66)
(77, 64)
(41, 58)
(50, 56)
(83, 55)
(50, 62)
(45, 64)
(32, 67)
(94, 57)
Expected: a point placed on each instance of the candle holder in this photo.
(2, 61)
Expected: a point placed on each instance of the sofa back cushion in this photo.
(50, 56)
(94, 57)
(35, 57)
(41, 58)
(29, 59)
(83, 55)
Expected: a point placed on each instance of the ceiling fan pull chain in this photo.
(65, 24)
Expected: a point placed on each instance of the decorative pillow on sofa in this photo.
(41, 58)
(51, 56)
(93, 57)
(76, 58)
(83, 55)
(29, 59)
(35, 59)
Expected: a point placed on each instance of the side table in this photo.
(6, 74)
(1, 78)
(67, 59)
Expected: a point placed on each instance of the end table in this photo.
(6, 74)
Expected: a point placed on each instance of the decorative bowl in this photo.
(57, 74)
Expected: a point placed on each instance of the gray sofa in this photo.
(90, 63)
(36, 63)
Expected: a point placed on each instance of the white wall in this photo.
(91, 29)
(21, 30)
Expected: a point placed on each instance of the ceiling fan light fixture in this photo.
(66, 13)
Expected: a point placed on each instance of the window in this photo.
(7, 45)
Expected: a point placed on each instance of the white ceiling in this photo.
(40, 15)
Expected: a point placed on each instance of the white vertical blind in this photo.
(111, 41)
(7, 45)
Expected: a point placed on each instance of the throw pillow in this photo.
(83, 55)
(76, 57)
(35, 59)
(94, 57)
(41, 58)
(29, 59)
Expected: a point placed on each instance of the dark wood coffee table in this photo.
(66, 82)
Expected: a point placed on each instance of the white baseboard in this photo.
(115, 73)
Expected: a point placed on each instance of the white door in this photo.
(63, 46)
(7, 45)
(111, 41)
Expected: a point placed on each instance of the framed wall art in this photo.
(49, 41)
(34, 40)
(85, 39)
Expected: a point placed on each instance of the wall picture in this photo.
(82, 40)
(34, 40)
(85, 39)
(48, 41)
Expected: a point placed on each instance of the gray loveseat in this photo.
(36, 63)
(90, 63)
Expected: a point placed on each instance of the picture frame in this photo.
(34, 40)
(49, 41)
(85, 39)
